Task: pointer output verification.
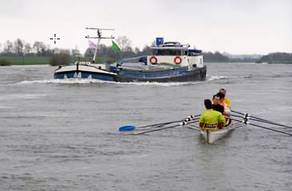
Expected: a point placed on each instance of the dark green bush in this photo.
(60, 59)
(4, 62)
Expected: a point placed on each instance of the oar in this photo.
(241, 121)
(129, 127)
(152, 130)
(244, 120)
(187, 122)
(195, 127)
(238, 112)
(132, 127)
(162, 128)
(267, 128)
(270, 129)
(239, 116)
(254, 118)
(267, 121)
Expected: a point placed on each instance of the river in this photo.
(63, 135)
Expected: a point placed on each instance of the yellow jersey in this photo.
(211, 118)
(227, 101)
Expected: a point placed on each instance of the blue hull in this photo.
(125, 75)
(170, 75)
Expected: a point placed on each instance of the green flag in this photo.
(115, 47)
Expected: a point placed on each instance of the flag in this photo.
(115, 47)
(159, 41)
(91, 44)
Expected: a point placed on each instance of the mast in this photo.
(98, 37)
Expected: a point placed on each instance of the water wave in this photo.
(212, 78)
(93, 81)
(58, 81)
(21, 96)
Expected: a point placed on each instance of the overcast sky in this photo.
(234, 26)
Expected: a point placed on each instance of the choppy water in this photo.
(58, 135)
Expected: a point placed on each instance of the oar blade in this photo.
(126, 128)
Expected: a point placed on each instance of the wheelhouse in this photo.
(174, 49)
(175, 53)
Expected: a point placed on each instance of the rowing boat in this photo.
(213, 135)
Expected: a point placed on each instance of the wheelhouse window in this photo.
(165, 52)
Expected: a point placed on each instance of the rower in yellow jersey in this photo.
(227, 101)
(221, 101)
(211, 119)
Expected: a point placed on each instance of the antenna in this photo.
(98, 37)
(94, 28)
(99, 33)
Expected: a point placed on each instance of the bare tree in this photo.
(75, 52)
(147, 50)
(18, 46)
(27, 48)
(89, 52)
(8, 47)
(124, 43)
(40, 47)
(136, 50)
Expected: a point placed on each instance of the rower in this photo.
(223, 103)
(226, 112)
(211, 119)
(227, 101)
(216, 104)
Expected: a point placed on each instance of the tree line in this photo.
(20, 48)
(276, 58)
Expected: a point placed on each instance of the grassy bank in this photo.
(25, 60)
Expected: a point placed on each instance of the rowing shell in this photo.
(212, 136)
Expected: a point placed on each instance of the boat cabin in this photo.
(176, 54)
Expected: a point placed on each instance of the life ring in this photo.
(177, 60)
(153, 60)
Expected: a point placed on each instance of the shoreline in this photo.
(46, 64)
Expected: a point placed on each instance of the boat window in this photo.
(161, 52)
(191, 54)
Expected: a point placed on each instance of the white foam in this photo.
(59, 81)
(166, 84)
(212, 78)
(90, 81)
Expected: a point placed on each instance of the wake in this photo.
(93, 81)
